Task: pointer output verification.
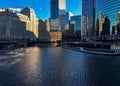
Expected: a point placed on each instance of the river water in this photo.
(56, 66)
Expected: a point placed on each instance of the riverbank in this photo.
(7, 46)
(105, 52)
(75, 48)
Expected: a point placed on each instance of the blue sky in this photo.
(42, 7)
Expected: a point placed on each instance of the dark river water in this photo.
(56, 66)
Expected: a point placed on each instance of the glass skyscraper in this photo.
(58, 14)
(77, 20)
(58, 7)
(88, 19)
(108, 8)
(54, 9)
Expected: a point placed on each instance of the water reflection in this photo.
(55, 66)
(11, 57)
(30, 66)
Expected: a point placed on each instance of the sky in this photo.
(42, 7)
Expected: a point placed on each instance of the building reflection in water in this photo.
(31, 68)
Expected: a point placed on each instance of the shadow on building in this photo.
(15, 27)
(43, 32)
(45, 35)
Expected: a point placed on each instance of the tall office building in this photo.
(110, 9)
(58, 14)
(68, 18)
(88, 19)
(77, 20)
(58, 7)
(72, 28)
(33, 21)
(15, 27)
(102, 25)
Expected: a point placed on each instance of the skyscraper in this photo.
(88, 19)
(58, 7)
(32, 16)
(54, 9)
(77, 20)
(108, 8)
(103, 28)
(58, 14)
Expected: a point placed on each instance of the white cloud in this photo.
(15, 9)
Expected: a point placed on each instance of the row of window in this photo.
(109, 8)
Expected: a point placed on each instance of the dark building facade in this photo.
(113, 29)
(54, 9)
(118, 28)
(58, 14)
(58, 7)
(106, 27)
(102, 25)
(97, 27)
(72, 28)
(88, 19)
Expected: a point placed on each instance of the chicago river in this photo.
(56, 66)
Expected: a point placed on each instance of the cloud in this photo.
(15, 9)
